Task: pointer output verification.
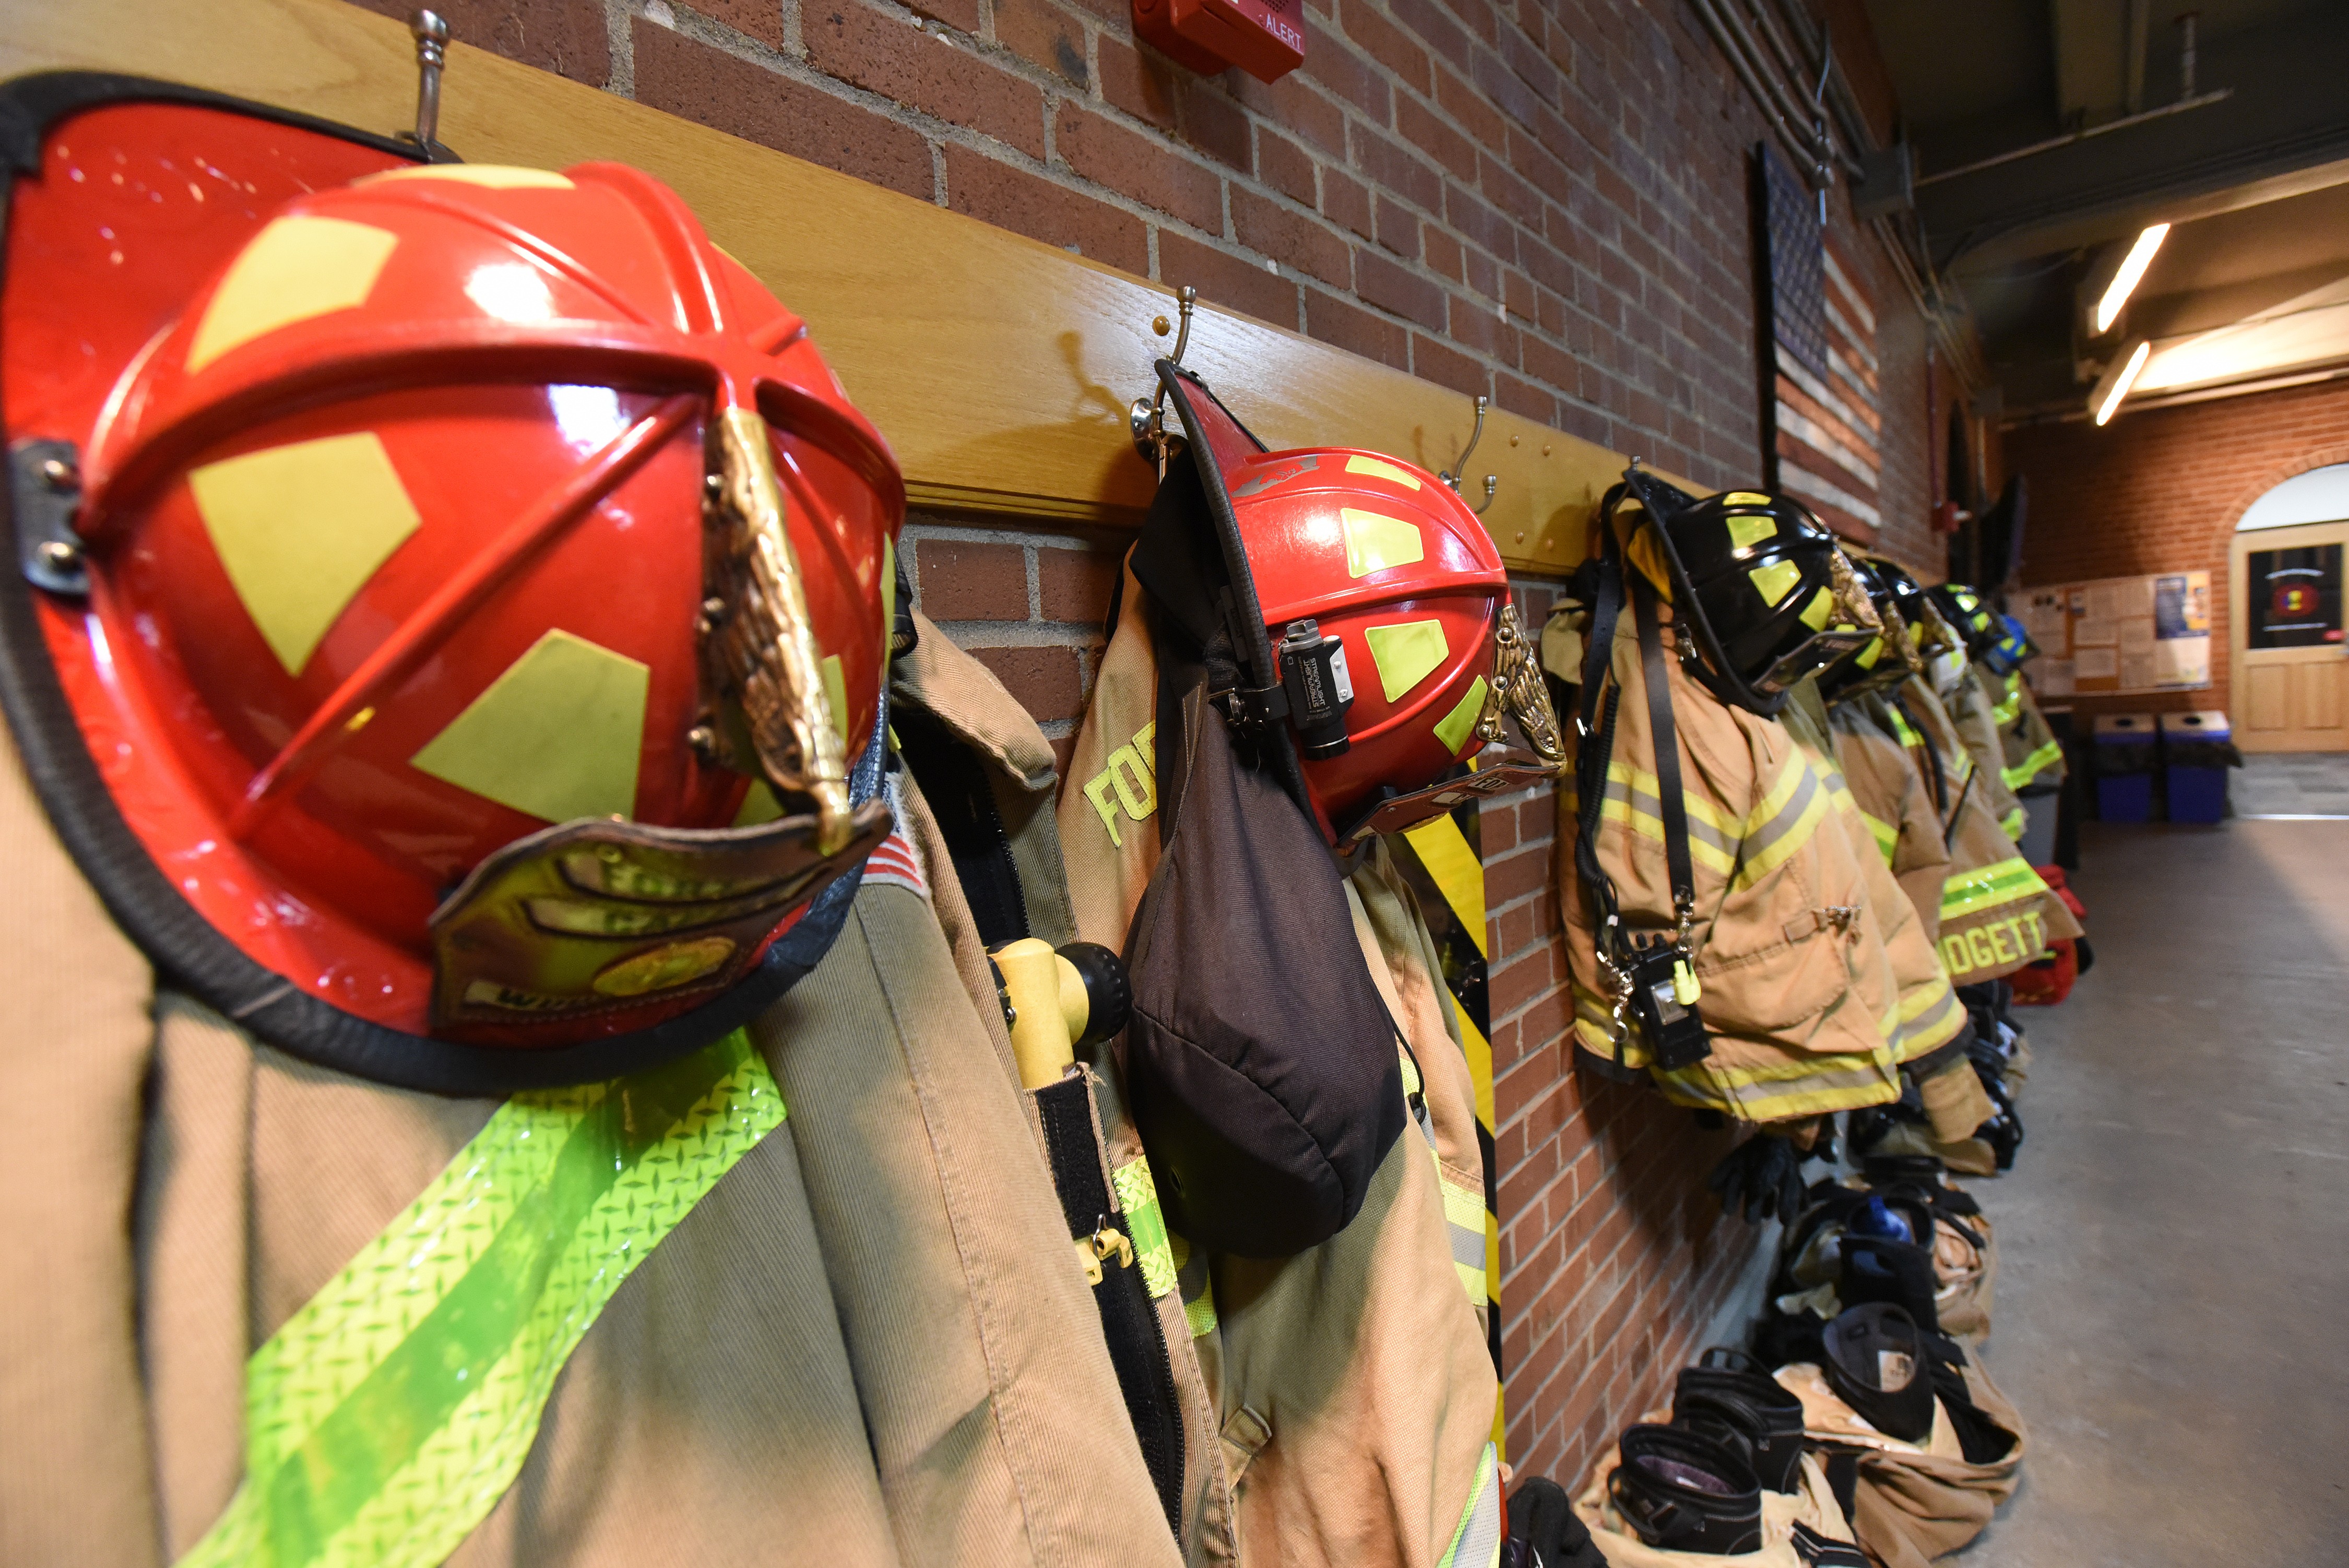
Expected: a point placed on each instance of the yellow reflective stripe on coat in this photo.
(1795, 1085)
(2014, 824)
(1635, 800)
(2033, 766)
(387, 1416)
(2007, 708)
(1476, 1540)
(1929, 1019)
(1463, 1225)
(2005, 882)
(1145, 1225)
(1783, 821)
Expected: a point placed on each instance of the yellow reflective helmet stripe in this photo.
(387, 1416)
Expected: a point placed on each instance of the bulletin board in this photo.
(2116, 636)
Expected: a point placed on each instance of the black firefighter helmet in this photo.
(1886, 661)
(1975, 620)
(1763, 586)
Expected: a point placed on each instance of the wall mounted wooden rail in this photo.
(999, 368)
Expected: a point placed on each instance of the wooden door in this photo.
(2290, 662)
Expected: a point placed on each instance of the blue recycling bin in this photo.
(2125, 760)
(2196, 750)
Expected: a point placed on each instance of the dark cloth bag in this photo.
(1261, 1062)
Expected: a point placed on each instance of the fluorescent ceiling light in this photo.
(2108, 394)
(2133, 265)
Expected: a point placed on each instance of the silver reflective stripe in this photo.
(1477, 1543)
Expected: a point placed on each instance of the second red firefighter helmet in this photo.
(480, 606)
(1385, 612)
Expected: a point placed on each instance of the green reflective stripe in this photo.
(2033, 766)
(1903, 729)
(386, 1417)
(2005, 883)
(1476, 1539)
(1145, 1223)
(2012, 823)
(1198, 1290)
(1887, 835)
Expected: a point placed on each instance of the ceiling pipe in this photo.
(2186, 98)
(1802, 141)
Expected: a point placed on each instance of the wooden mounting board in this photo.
(999, 368)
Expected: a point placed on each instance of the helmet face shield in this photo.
(1821, 651)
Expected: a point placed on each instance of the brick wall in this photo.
(2160, 490)
(1544, 202)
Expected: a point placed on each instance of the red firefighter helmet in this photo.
(475, 604)
(1385, 610)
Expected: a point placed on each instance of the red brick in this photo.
(700, 83)
(961, 14)
(961, 580)
(761, 19)
(1349, 326)
(1336, 64)
(1216, 125)
(1385, 161)
(1045, 681)
(1423, 128)
(1345, 200)
(1285, 166)
(1047, 34)
(874, 50)
(1016, 199)
(1391, 287)
(565, 36)
(1109, 154)
(1404, 57)
(1298, 239)
(1444, 254)
(1295, 104)
(1075, 584)
(1139, 82)
(1228, 280)
(1397, 230)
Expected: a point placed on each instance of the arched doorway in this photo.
(2290, 668)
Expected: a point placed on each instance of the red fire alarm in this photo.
(1266, 39)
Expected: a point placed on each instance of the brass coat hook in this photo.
(1492, 481)
(1146, 417)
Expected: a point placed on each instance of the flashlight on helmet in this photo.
(1313, 672)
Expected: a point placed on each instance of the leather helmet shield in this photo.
(374, 711)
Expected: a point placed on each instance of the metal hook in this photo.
(1492, 483)
(1475, 436)
(1146, 417)
(431, 35)
(1189, 297)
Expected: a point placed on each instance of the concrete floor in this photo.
(2284, 783)
(2172, 1315)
